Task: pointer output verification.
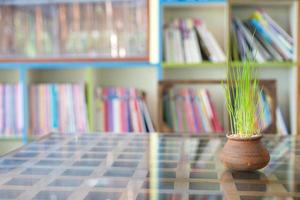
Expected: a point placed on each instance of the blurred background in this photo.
(142, 65)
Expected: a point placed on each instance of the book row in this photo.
(97, 29)
(189, 41)
(58, 107)
(261, 39)
(63, 108)
(122, 110)
(188, 110)
(11, 109)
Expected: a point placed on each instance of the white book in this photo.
(83, 108)
(173, 47)
(215, 51)
(280, 124)
(141, 115)
(8, 117)
(204, 114)
(258, 55)
(99, 112)
(178, 46)
(277, 27)
(216, 47)
(287, 54)
(190, 43)
(116, 115)
(72, 109)
(167, 44)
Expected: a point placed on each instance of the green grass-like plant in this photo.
(242, 95)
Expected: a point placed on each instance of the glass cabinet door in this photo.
(105, 29)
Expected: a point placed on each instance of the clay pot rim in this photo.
(231, 136)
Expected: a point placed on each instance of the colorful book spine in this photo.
(11, 110)
(192, 111)
(124, 110)
(57, 107)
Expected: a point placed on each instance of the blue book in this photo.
(260, 30)
(54, 108)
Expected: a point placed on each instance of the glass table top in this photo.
(143, 166)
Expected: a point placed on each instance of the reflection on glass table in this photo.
(144, 166)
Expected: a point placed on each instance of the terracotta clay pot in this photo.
(244, 154)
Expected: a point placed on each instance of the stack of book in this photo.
(189, 41)
(261, 39)
(187, 110)
(58, 107)
(121, 110)
(11, 110)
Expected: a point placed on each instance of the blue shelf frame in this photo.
(190, 2)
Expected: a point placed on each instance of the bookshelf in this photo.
(144, 71)
(74, 31)
(62, 66)
(285, 13)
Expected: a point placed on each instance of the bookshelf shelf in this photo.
(191, 2)
(269, 64)
(261, 3)
(237, 63)
(63, 65)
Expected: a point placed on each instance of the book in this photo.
(58, 107)
(280, 123)
(261, 39)
(11, 110)
(208, 44)
(189, 41)
(124, 110)
(191, 111)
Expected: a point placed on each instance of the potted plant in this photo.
(243, 150)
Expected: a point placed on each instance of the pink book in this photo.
(189, 113)
(120, 92)
(1, 109)
(196, 114)
(215, 119)
(178, 111)
(134, 112)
